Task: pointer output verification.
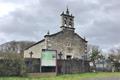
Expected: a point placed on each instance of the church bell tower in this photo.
(67, 21)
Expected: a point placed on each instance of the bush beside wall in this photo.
(12, 64)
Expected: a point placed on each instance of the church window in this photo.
(65, 21)
(70, 24)
(65, 18)
(68, 57)
(71, 19)
(68, 44)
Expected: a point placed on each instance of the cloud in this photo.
(101, 23)
(98, 20)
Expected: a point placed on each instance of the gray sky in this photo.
(97, 20)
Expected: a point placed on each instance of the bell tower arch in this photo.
(67, 20)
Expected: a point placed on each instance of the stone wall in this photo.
(63, 66)
(72, 66)
(68, 43)
(36, 50)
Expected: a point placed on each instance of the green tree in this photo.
(94, 55)
(102, 58)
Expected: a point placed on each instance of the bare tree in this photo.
(114, 54)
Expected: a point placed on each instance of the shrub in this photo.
(12, 64)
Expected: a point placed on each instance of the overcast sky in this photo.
(97, 20)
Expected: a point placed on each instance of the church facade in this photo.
(66, 42)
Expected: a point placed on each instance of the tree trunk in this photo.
(94, 66)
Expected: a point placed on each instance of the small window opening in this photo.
(68, 57)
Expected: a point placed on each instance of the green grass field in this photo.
(67, 77)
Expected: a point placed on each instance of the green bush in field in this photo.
(12, 64)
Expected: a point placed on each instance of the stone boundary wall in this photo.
(72, 66)
(63, 66)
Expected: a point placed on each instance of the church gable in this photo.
(82, 39)
(35, 49)
(35, 43)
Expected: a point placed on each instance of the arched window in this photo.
(71, 19)
(65, 18)
(65, 22)
(70, 24)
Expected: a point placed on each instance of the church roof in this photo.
(51, 36)
(62, 32)
(80, 37)
(35, 44)
(54, 34)
(43, 39)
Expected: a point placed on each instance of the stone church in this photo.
(66, 42)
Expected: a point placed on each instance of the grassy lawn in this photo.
(67, 77)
